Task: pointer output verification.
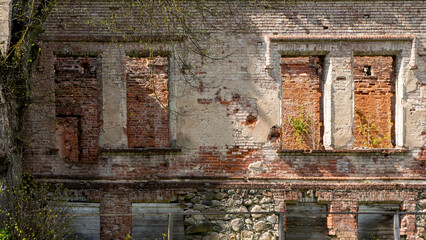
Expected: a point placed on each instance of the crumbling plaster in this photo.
(211, 110)
(4, 24)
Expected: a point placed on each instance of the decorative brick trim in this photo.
(342, 152)
(140, 151)
(85, 38)
(343, 38)
(184, 186)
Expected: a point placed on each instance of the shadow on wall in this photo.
(246, 156)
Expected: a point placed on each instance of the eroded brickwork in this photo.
(147, 102)
(115, 226)
(343, 225)
(68, 137)
(301, 103)
(421, 219)
(374, 107)
(76, 97)
(228, 113)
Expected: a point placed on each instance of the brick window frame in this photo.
(402, 48)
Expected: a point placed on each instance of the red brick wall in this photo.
(76, 95)
(301, 81)
(343, 225)
(116, 226)
(68, 137)
(147, 102)
(373, 126)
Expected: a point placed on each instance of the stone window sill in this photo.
(139, 151)
(344, 152)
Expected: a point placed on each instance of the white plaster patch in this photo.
(256, 166)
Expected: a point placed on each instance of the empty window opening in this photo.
(302, 122)
(306, 221)
(376, 226)
(374, 102)
(76, 100)
(148, 227)
(147, 102)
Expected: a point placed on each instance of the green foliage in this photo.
(5, 234)
(164, 237)
(369, 132)
(34, 210)
(300, 124)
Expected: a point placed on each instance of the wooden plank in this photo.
(396, 227)
(304, 216)
(377, 226)
(87, 227)
(170, 228)
(281, 232)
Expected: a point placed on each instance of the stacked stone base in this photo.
(227, 206)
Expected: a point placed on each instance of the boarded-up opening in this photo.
(374, 100)
(86, 227)
(149, 227)
(147, 102)
(376, 226)
(76, 99)
(302, 125)
(68, 137)
(306, 221)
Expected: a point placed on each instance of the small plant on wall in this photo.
(369, 132)
(300, 124)
(301, 130)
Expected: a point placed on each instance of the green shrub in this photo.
(34, 210)
(5, 234)
(300, 124)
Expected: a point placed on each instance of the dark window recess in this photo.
(87, 225)
(376, 226)
(367, 70)
(306, 221)
(149, 227)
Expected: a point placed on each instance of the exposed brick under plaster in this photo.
(76, 95)
(302, 122)
(374, 102)
(239, 92)
(147, 102)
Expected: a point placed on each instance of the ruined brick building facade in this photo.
(308, 107)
